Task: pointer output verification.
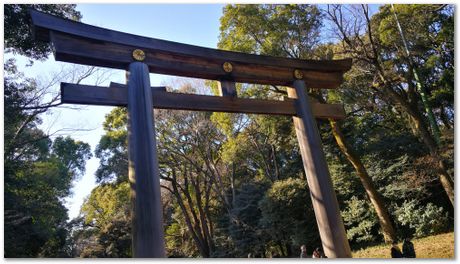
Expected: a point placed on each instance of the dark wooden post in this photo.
(325, 205)
(227, 89)
(144, 176)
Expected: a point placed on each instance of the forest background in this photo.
(234, 184)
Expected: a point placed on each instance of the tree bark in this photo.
(375, 198)
(444, 178)
(188, 221)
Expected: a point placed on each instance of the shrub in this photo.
(423, 219)
(361, 220)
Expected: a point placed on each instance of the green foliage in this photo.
(422, 24)
(233, 151)
(115, 238)
(287, 214)
(424, 220)
(18, 35)
(38, 173)
(72, 155)
(360, 221)
(428, 29)
(104, 203)
(112, 148)
(243, 221)
(225, 122)
(105, 227)
(276, 30)
(179, 242)
(34, 214)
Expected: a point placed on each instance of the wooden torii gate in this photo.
(85, 44)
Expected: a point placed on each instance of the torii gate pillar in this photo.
(324, 200)
(144, 176)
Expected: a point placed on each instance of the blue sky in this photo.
(196, 24)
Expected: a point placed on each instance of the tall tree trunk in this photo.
(372, 56)
(444, 178)
(423, 94)
(378, 203)
(424, 133)
(412, 110)
(376, 200)
(203, 218)
(198, 241)
(232, 185)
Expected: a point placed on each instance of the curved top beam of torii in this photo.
(86, 44)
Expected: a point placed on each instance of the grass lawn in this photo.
(438, 246)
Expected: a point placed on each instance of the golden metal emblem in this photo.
(298, 74)
(138, 55)
(227, 66)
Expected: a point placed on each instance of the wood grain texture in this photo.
(148, 236)
(324, 200)
(85, 44)
(116, 95)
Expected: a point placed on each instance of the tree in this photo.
(244, 229)
(360, 221)
(18, 36)
(112, 148)
(276, 30)
(288, 217)
(362, 38)
(372, 193)
(188, 148)
(190, 167)
(38, 173)
(292, 31)
(34, 214)
(105, 228)
(396, 160)
(421, 89)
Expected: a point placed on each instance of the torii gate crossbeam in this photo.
(85, 44)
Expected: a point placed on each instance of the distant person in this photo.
(250, 255)
(395, 251)
(316, 253)
(408, 250)
(303, 251)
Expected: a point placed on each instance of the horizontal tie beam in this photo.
(116, 95)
